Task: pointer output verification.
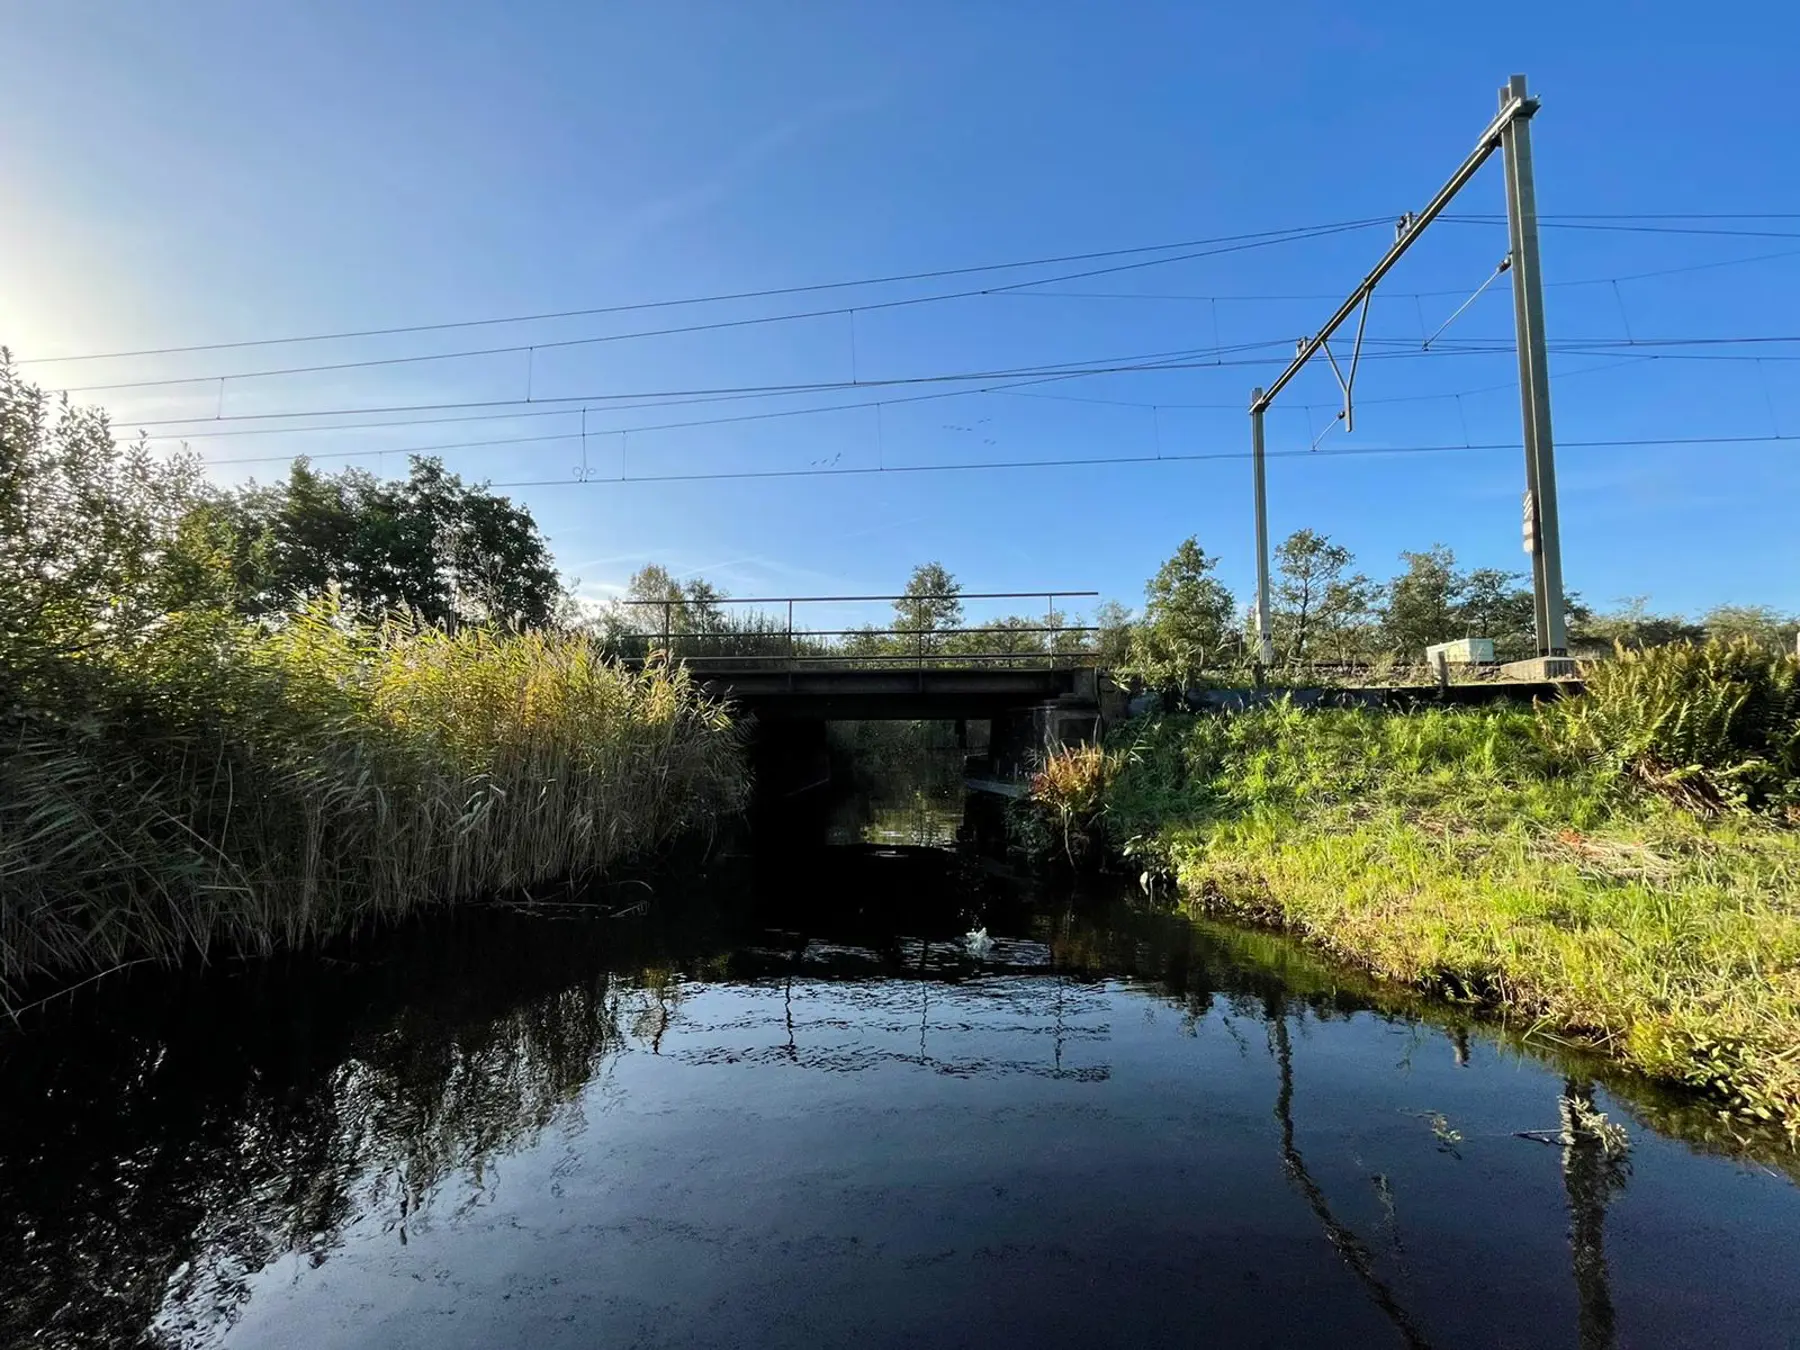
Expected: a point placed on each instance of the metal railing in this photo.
(797, 646)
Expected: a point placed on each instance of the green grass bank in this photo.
(1619, 869)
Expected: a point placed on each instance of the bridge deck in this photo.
(814, 693)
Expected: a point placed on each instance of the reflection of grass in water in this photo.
(414, 1123)
(1202, 963)
(384, 1096)
(1452, 850)
(405, 1132)
(378, 1093)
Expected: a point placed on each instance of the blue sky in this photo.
(217, 171)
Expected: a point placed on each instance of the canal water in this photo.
(790, 1103)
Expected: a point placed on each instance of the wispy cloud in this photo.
(764, 567)
(737, 169)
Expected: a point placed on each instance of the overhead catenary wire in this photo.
(1007, 391)
(1153, 362)
(1015, 382)
(1206, 248)
(665, 399)
(1404, 295)
(1238, 406)
(771, 292)
(1619, 226)
(1672, 215)
(1011, 389)
(720, 392)
(1105, 460)
(878, 405)
(237, 432)
(1174, 362)
(531, 349)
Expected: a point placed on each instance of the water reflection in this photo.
(163, 1152)
(896, 783)
(1590, 1177)
(155, 1162)
(1355, 1254)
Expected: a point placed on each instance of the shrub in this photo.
(1069, 793)
(1713, 724)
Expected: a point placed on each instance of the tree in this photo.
(1494, 604)
(1307, 566)
(867, 640)
(1631, 625)
(705, 606)
(654, 602)
(1422, 602)
(1348, 625)
(1187, 619)
(654, 599)
(95, 548)
(1112, 643)
(429, 543)
(1014, 635)
(1760, 623)
(652, 584)
(494, 561)
(930, 604)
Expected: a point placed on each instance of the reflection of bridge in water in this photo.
(1014, 1014)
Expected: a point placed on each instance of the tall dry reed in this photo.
(218, 788)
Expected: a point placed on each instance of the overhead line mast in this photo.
(1508, 132)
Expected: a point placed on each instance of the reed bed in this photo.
(222, 788)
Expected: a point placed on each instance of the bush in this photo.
(1713, 724)
(1068, 792)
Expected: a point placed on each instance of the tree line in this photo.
(101, 541)
(693, 617)
(1324, 613)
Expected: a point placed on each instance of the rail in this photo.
(1054, 643)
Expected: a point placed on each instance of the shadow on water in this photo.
(178, 1153)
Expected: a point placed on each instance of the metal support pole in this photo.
(1545, 541)
(1508, 133)
(1265, 635)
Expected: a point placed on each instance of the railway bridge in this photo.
(1034, 684)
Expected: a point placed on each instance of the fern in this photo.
(1716, 725)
